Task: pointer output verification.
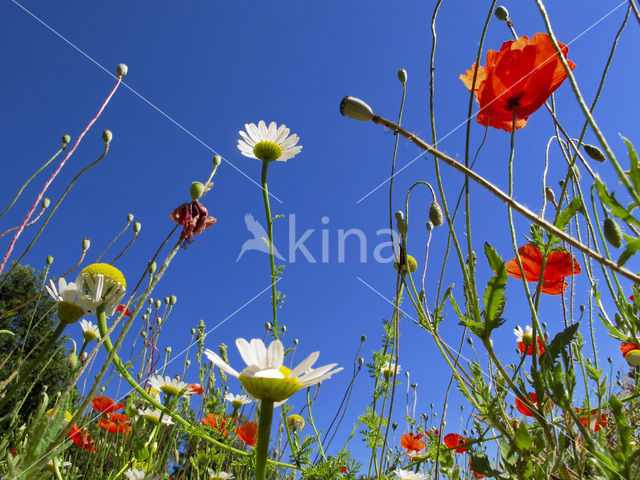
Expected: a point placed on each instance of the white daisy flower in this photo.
(268, 143)
(237, 400)
(59, 463)
(220, 475)
(168, 386)
(409, 475)
(521, 335)
(72, 302)
(135, 474)
(388, 370)
(265, 378)
(103, 283)
(154, 416)
(89, 330)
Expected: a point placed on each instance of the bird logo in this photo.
(259, 241)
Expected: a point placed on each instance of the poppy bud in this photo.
(429, 226)
(612, 232)
(296, 341)
(594, 152)
(268, 326)
(145, 317)
(187, 362)
(193, 331)
(49, 260)
(86, 243)
(130, 218)
(158, 303)
(401, 225)
(136, 227)
(501, 13)
(107, 136)
(470, 341)
(402, 76)
(360, 361)
(150, 301)
(549, 195)
(196, 190)
(166, 300)
(152, 268)
(45, 203)
(399, 215)
(414, 385)
(73, 361)
(122, 70)
(435, 213)
(168, 350)
(83, 357)
(217, 160)
(576, 172)
(284, 329)
(355, 108)
(363, 338)
(173, 300)
(65, 140)
(394, 425)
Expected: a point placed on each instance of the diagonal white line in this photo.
(141, 97)
(476, 114)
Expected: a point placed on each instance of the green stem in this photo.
(267, 209)
(264, 433)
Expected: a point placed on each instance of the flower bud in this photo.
(136, 227)
(167, 350)
(576, 172)
(158, 303)
(501, 13)
(193, 331)
(402, 76)
(65, 140)
(360, 362)
(284, 329)
(72, 359)
(122, 70)
(429, 226)
(187, 362)
(296, 341)
(549, 195)
(173, 300)
(594, 152)
(83, 357)
(49, 260)
(130, 218)
(355, 108)
(399, 215)
(107, 136)
(45, 203)
(217, 160)
(166, 300)
(435, 213)
(145, 317)
(196, 190)
(86, 243)
(268, 326)
(150, 300)
(363, 338)
(612, 232)
(151, 267)
(394, 425)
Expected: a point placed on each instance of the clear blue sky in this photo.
(214, 66)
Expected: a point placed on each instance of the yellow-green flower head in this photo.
(412, 265)
(90, 331)
(237, 401)
(72, 302)
(389, 369)
(51, 413)
(103, 283)
(169, 386)
(295, 422)
(268, 143)
(265, 378)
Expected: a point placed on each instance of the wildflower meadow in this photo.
(362, 240)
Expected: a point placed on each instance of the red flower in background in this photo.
(247, 432)
(412, 442)
(81, 439)
(559, 265)
(344, 469)
(453, 440)
(591, 420)
(524, 409)
(525, 340)
(626, 347)
(194, 389)
(105, 404)
(117, 423)
(120, 308)
(218, 422)
(521, 76)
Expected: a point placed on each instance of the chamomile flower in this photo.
(265, 377)
(388, 369)
(525, 339)
(219, 475)
(168, 386)
(89, 330)
(72, 302)
(103, 283)
(135, 474)
(237, 401)
(409, 475)
(59, 463)
(153, 416)
(268, 143)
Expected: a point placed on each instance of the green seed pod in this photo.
(173, 300)
(49, 260)
(73, 361)
(152, 269)
(107, 136)
(402, 76)
(45, 203)
(65, 140)
(355, 108)
(122, 70)
(130, 218)
(594, 152)
(612, 232)
(217, 160)
(136, 227)
(363, 338)
(196, 190)
(501, 13)
(435, 214)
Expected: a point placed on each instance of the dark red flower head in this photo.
(453, 440)
(247, 432)
(193, 217)
(559, 265)
(412, 442)
(521, 76)
(105, 404)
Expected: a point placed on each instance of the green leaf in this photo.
(494, 297)
(559, 343)
(522, 439)
(615, 207)
(567, 214)
(634, 171)
(632, 246)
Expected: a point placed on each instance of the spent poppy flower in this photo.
(81, 438)
(524, 409)
(560, 265)
(520, 77)
(247, 432)
(591, 419)
(453, 440)
(525, 340)
(412, 442)
(105, 404)
(193, 217)
(218, 422)
(631, 353)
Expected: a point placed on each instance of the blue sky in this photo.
(198, 71)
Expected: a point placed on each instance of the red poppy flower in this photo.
(247, 432)
(524, 409)
(344, 469)
(81, 439)
(105, 404)
(412, 442)
(529, 349)
(194, 389)
(117, 423)
(193, 217)
(453, 440)
(591, 420)
(218, 422)
(521, 76)
(559, 265)
(626, 347)
(119, 308)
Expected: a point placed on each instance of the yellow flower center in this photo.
(276, 389)
(268, 151)
(527, 339)
(108, 271)
(412, 265)
(633, 358)
(151, 418)
(89, 335)
(69, 312)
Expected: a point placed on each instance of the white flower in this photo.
(103, 283)
(519, 333)
(135, 474)
(220, 475)
(237, 400)
(72, 302)
(409, 475)
(168, 386)
(272, 143)
(89, 331)
(59, 463)
(388, 370)
(265, 378)
(154, 416)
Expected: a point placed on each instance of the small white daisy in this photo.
(59, 463)
(103, 283)
(72, 302)
(135, 474)
(522, 335)
(89, 331)
(268, 143)
(220, 475)
(168, 386)
(388, 369)
(409, 475)
(154, 416)
(265, 378)
(237, 400)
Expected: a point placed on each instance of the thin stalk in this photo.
(272, 262)
(264, 435)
